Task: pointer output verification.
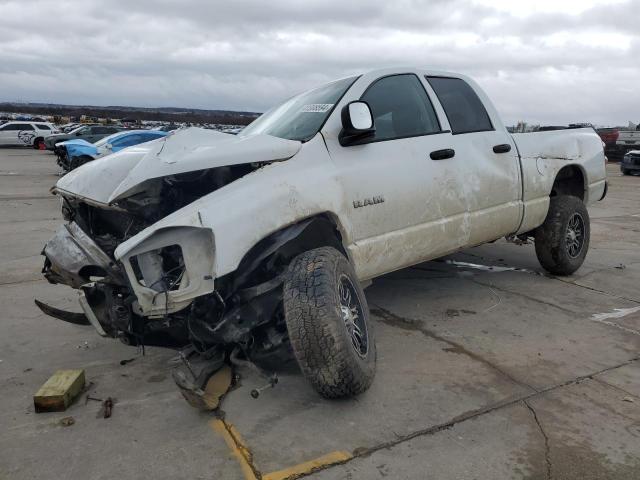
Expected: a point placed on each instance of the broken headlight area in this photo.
(162, 270)
(170, 268)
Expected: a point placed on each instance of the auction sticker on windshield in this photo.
(317, 107)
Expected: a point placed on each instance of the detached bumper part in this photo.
(202, 379)
(69, 317)
(91, 317)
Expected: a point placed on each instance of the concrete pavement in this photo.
(482, 373)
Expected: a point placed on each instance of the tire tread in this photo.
(316, 329)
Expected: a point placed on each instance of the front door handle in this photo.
(502, 148)
(442, 154)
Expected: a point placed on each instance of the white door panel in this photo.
(405, 206)
(491, 185)
(490, 165)
(422, 215)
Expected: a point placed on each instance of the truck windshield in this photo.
(300, 117)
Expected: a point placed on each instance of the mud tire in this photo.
(319, 337)
(551, 237)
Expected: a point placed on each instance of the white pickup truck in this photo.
(238, 248)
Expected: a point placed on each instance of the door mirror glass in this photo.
(360, 116)
(357, 122)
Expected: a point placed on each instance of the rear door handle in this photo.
(502, 148)
(442, 154)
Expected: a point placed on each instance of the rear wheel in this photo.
(328, 322)
(38, 143)
(562, 241)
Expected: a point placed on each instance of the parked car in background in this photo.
(73, 153)
(31, 134)
(630, 162)
(90, 133)
(167, 128)
(67, 127)
(627, 140)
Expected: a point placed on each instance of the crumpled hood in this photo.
(186, 150)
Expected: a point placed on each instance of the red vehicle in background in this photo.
(609, 136)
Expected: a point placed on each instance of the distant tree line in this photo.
(132, 114)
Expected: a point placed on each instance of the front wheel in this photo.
(327, 318)
(562, 241)
(624, 171)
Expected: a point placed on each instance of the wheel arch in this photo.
(319, 230)
(570, 180)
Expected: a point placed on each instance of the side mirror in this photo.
(108, 146)
(78, 134)
(357, 123)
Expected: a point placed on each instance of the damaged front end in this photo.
(156, 285)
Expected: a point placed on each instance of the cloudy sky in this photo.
(549, 61)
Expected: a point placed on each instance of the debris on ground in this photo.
(107, 407)
(628, 399)
(84, 346)
(59, 391)
(88, 397)
(209, 397)
(128, 360)
(273, 381)
(621, 267)
(67, 421)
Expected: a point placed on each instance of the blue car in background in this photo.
(73, 153)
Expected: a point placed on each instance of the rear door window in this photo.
(464, 109)
(42, 126)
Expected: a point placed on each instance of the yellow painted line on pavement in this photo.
(245, 458)
(238, 448)
(308, 467)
